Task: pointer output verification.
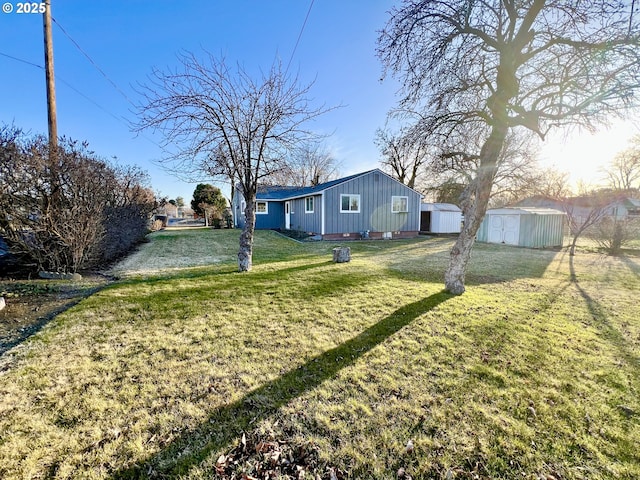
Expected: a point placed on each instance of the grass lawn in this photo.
(185, 366)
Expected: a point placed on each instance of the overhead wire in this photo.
(121, 119)
(62, 80)
(295, 47)
(95, 65)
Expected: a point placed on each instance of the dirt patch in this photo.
(31, 304)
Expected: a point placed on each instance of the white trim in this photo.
(393, 199)
(350, 195)
(313, 204)
(322, 219)
(266, 207)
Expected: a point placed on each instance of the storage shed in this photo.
(440, 218)
(524, 227)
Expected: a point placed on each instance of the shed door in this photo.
(504, 229)
(511, 229)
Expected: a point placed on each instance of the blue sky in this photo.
(126, 39)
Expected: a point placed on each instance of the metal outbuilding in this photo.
(523, 226)
(440, 218)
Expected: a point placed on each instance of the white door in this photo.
(511, 229)
(495, 228)
(504, 229)
(287, 215)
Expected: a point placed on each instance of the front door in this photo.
(287, 215)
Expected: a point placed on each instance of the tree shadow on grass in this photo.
(196, 273)
(631, 265)
(602, 323)
(226, 423)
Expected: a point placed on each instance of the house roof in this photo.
(279, 192)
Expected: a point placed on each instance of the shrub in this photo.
(69, 212)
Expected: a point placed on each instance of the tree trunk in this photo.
(245, 254)
(474, 206)
(572, 250)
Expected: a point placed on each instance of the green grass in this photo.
(534, 371)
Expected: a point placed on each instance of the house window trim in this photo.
(350, 195)
(306, 204)
(393, 198)
(266, 207)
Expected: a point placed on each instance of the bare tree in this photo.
(518, 174)
(624, 171)
(613, 233)
(226, 123)
(585, 212)
(308, 165)
(552, 183)
(405, 155)
(490, 66)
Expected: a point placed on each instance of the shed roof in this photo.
(524, 211)
(439, 207)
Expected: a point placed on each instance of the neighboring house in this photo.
(365, 205)
(169, 210)
(440, 218)
(524, 227)
(620, 206)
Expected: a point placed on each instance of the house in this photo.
(619, 205)
(524, 227)
(440, 218)
(365, 205)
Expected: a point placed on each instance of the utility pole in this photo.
(51, 83)
(52, 120)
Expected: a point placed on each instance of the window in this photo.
(308, 205)
(262, 208)
(349, 203)
(399, 204)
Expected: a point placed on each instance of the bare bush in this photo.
(613, 234)
(71, 215)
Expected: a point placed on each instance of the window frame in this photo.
(400, 197)
(306, 204)
(350, 195)
(266, 207)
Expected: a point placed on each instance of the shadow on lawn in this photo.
(227, 423)
(600, 317)
(631, 265)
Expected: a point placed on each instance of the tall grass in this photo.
(532, 373)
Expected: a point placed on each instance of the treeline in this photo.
(71, 210)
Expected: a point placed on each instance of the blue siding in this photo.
(272, 220)
(307, 222)
(375, 190)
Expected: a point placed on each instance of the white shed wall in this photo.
(446, 222)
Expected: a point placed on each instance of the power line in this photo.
(62, 80)
(123, 120)
(95, 65)
(299, 36)
(22, 61)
